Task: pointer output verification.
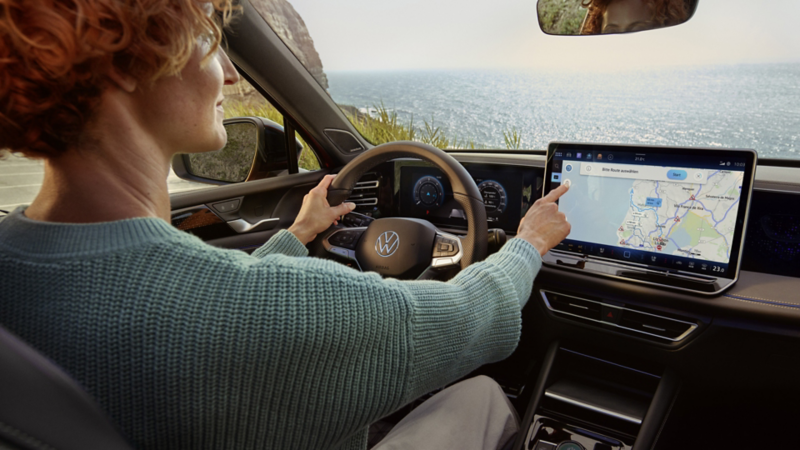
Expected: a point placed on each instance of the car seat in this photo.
(41, 407)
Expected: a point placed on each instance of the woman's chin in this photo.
(211, 146)
(221, 139)
(215, 140)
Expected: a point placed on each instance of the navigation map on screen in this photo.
(650, 208)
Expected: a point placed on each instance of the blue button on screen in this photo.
(676, 174)
(568, 168)
(655, 202)
(556, 178)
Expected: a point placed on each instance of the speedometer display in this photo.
(494, 197)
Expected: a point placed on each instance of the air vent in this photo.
(627, 319)
(655, 325)
(573, 306)
(365, 193)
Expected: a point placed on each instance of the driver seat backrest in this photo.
(41, 407)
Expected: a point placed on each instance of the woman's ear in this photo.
(123, 81)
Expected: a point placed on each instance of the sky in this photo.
(479, 34)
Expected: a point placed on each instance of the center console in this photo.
(669, 218)
(586, 401)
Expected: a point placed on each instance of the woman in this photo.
(625, 16)
(183, 344)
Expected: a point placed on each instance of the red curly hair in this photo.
(55, 56)
(667, 12)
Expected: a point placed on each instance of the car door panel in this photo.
(264, 208)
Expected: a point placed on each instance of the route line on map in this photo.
(726, 212)
(677, 210)
(694, 199)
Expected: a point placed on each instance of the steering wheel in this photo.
(408, 248)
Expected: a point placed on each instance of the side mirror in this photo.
(256, 149)
(587, 17)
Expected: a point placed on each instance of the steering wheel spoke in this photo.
(447, 250)
(343, 243)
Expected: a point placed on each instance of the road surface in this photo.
(21, 178)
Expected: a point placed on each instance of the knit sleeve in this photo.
(284, 242)
(472, 320)
(330, 350)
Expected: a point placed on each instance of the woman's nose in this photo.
(231, 75)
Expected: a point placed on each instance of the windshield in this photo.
(467, 74)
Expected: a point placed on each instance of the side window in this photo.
(308, 159)
(20, 180)
(242, 99)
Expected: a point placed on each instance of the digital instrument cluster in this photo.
(507, 192)
(428, 192)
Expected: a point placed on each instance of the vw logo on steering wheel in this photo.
(387, 244)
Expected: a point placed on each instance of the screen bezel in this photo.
(750, 156)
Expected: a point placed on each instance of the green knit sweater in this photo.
(190, 346)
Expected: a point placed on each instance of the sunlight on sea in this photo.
(744, 106)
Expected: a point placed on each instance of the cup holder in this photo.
(551, 434)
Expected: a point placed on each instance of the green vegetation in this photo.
(513, 139)
(381, 127)
(385, 127)
(561, 16)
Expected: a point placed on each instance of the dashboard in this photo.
(414, 188)
(421, 191)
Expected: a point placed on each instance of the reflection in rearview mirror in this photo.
(586, 17)
(232, 164)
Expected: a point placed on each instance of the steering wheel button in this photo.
(340, 251)
(442, 262)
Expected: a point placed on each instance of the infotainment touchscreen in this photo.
(669, 208)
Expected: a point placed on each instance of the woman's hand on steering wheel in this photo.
(316, 215)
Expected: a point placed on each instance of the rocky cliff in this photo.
(287, 23)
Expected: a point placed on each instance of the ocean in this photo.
(735, 106)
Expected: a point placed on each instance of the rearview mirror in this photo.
(587, 17)
(256, 149)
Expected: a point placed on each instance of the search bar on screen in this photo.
(653, 173)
